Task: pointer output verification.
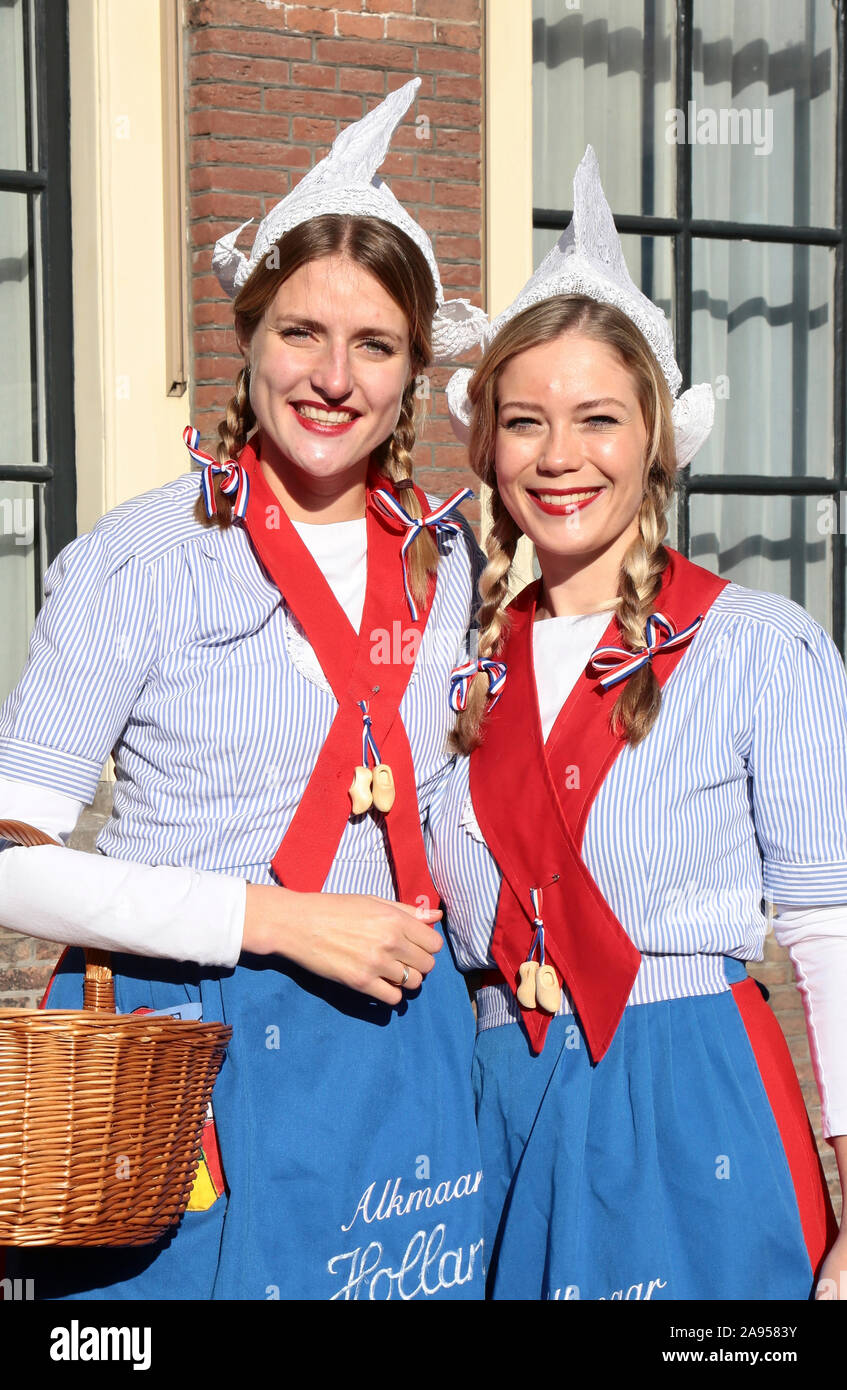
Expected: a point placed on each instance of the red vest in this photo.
(347, 659)
(532, 801)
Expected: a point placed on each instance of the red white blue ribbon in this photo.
(368, 742)
(438, 520)
(461, 677)
(235, 482)
(660, 635)
(536, 898)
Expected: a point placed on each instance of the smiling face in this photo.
(570, 455)
(329, 362)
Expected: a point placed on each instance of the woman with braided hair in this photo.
(652, 752)
(277, 751)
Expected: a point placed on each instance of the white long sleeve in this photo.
(816, 941)
(88, 900)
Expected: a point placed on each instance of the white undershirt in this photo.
(560, 649)
(340, 550)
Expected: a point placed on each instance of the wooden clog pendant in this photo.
(528, 971)
(548, 993)
(383, 787)
(360, 793)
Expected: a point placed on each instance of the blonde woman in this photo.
(651, 752)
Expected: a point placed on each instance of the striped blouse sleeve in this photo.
(798, 765)
(91, 649)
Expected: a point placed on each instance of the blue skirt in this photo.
(347, 1142)
(659, 1173)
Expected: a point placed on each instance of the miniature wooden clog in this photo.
(526, 989)
(383, 787)
(548, 994)
(360, 790)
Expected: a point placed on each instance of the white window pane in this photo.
(16, 371)
(18, 559)
(762, 334)
(13, 78)
(772, 543)
(774, 66)
(603, 75)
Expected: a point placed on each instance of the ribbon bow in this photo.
(235, 484)
(622, 664)
(438, 520)
(461, 677)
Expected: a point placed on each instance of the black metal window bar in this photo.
(51, 462)
(683, 228)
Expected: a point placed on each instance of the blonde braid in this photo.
(397, 465)
(233, 431)
(493, 620)
(643, 565)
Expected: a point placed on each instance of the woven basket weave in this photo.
(101, 1115)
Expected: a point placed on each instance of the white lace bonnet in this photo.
(588, 259)
(346, 181)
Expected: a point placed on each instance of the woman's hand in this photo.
(357, 940)
(832, 1282)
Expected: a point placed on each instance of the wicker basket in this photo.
(101, 1115)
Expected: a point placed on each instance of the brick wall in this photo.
(270, 85)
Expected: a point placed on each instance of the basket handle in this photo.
(99, 988)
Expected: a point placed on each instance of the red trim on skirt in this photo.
(789, 1110)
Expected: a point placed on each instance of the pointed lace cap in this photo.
(588, 259)
(346, 181)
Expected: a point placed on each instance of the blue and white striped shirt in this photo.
(737, 798)
(165, 641)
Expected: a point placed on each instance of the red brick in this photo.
(204, 286)
(459, 35)
(390, 6)
(311, 75)
(410, 30)
(448, 60)
(346, 108)
(222, 205)
(26, 978)
(398, 162)
(216, 368)
(445, 166)
(210, 313)
(361, 26)
(223, 67)
(399, 79)
(462, 141)
(268, 156)
(232, 125)
(231, 179)
(231, 95)
(258, 43)
(360, 80)
(252, 14)
(437, 219)
(459, 248)
(215, 340)
(314, 131)
(450, 113)
(347, 53)
(412, 191)
(48, 950)
(466, 88)
(459, 195)
(309, 20)
(210, 398)
(467, 10)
